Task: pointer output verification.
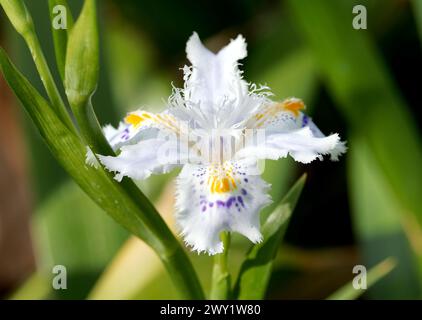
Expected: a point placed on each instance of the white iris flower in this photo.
(217, 127)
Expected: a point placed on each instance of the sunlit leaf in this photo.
(375, 274)
(255, 272)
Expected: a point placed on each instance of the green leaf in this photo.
(417, 9)
(348, 292)
(60, 36)
(70, 219)
(122, 201)
(364, 91)
(378, 224)
(22, 21)
(255, 272)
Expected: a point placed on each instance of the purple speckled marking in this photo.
(244, 192)
(239, 198)
(125, 134)
(305, 120)
(220, 203)
(211, 204)
(204, 208)
(230, 201)
(246, 180)
(203, 201)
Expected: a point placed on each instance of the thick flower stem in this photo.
(221, 280)
(91, 129)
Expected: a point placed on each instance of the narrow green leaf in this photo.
(255, 272)
(21, 19)
(60, 16)
(348, 292)
(122, 201)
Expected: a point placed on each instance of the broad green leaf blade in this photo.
(117, 199)
(123, 279)
(60, 16)
(70, 219)
(358, 80)
(417, 9)
(348, 292)
(377, 220)
(255, 272)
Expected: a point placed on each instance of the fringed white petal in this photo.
(290, 131)
(206, 204)
(339, 149)
(301, 144)
(144, 158)
(90, 158)
(214, 79)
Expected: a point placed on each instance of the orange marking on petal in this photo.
(294, 106)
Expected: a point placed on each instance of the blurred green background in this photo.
(363, 84)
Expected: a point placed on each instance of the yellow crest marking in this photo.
(134, 119)
(221, 180)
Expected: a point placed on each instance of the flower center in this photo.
(221, 179)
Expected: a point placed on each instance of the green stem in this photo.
(91, 129)
(57, 103)
(221, 281)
